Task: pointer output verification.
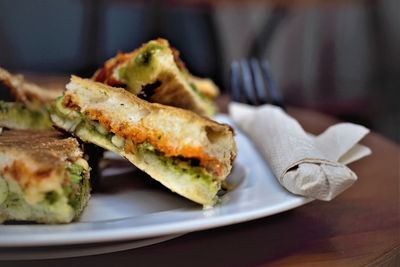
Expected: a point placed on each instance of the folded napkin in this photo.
(307, 165)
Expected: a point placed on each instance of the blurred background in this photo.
(338, 57)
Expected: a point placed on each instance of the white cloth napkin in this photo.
(307, 165)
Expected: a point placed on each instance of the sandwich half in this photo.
(156, 73)
(30, 109)
(43, 177)
(15, 115)
(187, 153)
(31, 94)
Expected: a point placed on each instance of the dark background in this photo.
(338, 57)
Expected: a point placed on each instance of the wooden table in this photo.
(360, 227)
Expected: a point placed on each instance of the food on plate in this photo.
(32, 95)
(204, 85)
(30, 109)
(14, 115)
(31, 112)
(187, 153)
(43, 177)
(156, 73)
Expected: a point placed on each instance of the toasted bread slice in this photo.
(30, 110)
(27, 92)
(189, 154)
(205, 86)
(155, 72)
(43, 177)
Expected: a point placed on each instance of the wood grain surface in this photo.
(361, 227)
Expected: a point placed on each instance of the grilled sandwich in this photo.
(189, 154)
(30, 109)
(31, 94)
(43, 177)
(14, 115)
(156, 73)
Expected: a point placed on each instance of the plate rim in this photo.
(124, 234)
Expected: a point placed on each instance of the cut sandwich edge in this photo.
(198, 188)
(35, 190)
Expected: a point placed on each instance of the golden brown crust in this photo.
(173, 93)
(27, 92)
(181, 65)
(153, 107)
(204, 85)
(46, 148)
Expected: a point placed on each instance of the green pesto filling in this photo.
(176, 164)
(146, 56)
(75, 172)
(55, 207)
(138, 72)
(51, 197)
(72, 190)
(17, 116)
(103, 139)
(78, 186)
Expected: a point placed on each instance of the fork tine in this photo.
(251, 82)
(259, 83)
(247, 82)
(275, 95)
(234, 80)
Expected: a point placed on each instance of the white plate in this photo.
(55, 252)
(136, 208)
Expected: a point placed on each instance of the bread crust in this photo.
(173, 131)
(174, 82)
(45, 148)
(34, 164)
(27, 92)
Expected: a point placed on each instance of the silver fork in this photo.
(251, 82)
